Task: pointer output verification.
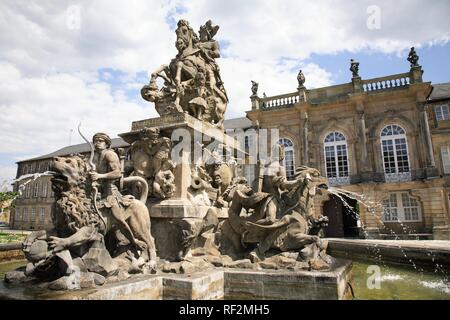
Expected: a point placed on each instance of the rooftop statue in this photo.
(255, 86)
(354, 68)
(301, 80)
(413, 58)
(192, 82)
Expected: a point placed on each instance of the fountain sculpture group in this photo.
(204, 214)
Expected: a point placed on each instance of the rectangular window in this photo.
(27, 190)
(442, 113)
(289, 164)
(445, 154)
(33, 214)
(44, 189)
(390, 208)
(401, 207)
(248, 142)
(17, 216)
(42, 215)
(36, 190)
(25, 214)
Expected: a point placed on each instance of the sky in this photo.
(64, 62)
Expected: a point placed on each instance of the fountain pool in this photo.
(396, 283)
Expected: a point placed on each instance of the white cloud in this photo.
(38, 113)
(267, 30)
(7, 174)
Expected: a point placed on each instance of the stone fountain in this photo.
(174, 218)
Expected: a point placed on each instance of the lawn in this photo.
(11, 237)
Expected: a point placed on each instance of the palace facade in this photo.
(385, 139)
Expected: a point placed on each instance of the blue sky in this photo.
(64, 62)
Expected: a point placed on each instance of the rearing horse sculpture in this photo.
(192, 81)
(185, 65)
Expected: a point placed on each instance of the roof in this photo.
(238, 123)
(440, 91)
(77, 148)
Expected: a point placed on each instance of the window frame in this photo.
(288, 147)
(441, 109)
(446, 148)
(400, 208)
(392, 138)
(344, 179)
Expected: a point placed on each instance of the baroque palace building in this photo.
(386, 139)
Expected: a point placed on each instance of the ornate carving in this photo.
(413, 58)
(151, 161)
(101, 236)
(192, 81)
(278, 218)
(301, 80)
(354, 68)
(255, 86)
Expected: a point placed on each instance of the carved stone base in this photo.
(175, 223)
(220, 283)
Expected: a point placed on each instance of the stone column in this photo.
(427, 134)
(362, 135)
(255, 102)
(304, 117)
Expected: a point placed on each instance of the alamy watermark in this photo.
(373, 21)
(374, 280)
(73, 17)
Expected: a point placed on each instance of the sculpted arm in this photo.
(115, 169)
(83, 235)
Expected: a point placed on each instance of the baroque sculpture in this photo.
(301, 80)
(98, 232)
(192, 82)
(413, 58)
(102, 230)
(254, 88)
(354, 68)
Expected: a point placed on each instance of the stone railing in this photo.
(283, 100)
(397, 177)
(386, 83)
(339, 181)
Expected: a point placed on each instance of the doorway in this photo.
(343, 222)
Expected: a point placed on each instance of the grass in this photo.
(11, 237)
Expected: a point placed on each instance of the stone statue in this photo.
(301, 80)
(97, 230)
(278, 218)
(354, 68)
(413, 58)
(255, 88)
(192, 82)
(151, 160)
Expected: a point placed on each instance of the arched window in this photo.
(289, 160)
(336, 159)
(394, 147)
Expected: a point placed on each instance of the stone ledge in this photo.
(425, 253)
(220, 283)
